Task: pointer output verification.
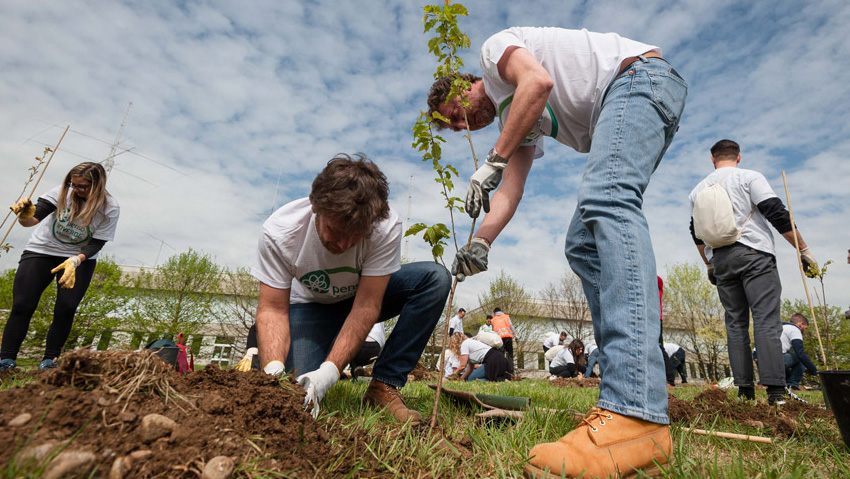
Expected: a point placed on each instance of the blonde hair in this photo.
(82, 210)
(454, 343)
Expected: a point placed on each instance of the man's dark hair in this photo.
(440, 91)
(798, 318)
(352, 190)
(725, 148)
(461, 310)
(497, 310)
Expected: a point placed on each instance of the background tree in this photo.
(692, 305)
(506, 293)
(237, 304)
(565, 300)
(179, 296)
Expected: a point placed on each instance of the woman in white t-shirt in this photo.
(452, 363)
(481, 361)
(74, 220)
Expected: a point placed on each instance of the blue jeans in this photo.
(793, 369)
(416, 293)
(477, 374)
(608, 243)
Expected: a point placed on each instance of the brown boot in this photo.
(387, 397)
(605, 444)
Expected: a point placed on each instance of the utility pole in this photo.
(110, 160)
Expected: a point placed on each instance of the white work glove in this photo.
(317, 384)
(245, 363)
(808, 259)
(471, 261)
(69, 276)
(23, 208)
(483, 181)
(275, 368)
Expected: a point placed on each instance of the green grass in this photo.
(499, 446)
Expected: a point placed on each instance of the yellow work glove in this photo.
(23, 208)
(69, 276)
(245, 363)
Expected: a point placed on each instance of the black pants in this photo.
(668, 369)
(508, 346)
(566, 371)
(677, 363)
(31, 279)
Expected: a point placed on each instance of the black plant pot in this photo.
(836, 386)
(168, 354)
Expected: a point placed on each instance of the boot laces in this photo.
(597, 414)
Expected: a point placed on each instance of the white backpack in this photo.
(490, 339)
(714, 218)
(553, 351)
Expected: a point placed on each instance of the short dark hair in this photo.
(440, 92)
(798, 318)
(461, 310)
(497, 310)
(353, 190)
(724, 148)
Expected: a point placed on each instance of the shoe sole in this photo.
(532, 472)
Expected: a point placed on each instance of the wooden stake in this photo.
(46, 164)
(729, 435)
(802, 272)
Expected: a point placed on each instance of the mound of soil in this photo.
(130, 414)
(784, 421)
(575, 382)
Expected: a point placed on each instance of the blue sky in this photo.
(237, 105)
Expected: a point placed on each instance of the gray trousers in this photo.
(748, 282)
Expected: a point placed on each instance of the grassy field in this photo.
(498, 447)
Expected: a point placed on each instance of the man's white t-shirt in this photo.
(552, 341)
(290, 255)
(55, 235)
(671, 348)
(789, 333)
(563, 358)
(582, 65)
(456, 323)
(475, 349)
(746, 188)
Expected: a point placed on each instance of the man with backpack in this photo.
(732, 211)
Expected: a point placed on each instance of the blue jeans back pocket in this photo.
(669, 91)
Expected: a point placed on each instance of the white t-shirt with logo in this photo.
(746, 188)
(55, 235)
(291, 256)
(582, 65)
(563, 358)
(475, 349)
(789, 333)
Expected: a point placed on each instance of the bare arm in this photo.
(701, 248)
(464, 362)
(507, 197)
(273, 324)
(365, 311)
(533, 84)
(789, 236)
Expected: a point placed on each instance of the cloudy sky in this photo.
(237, 105)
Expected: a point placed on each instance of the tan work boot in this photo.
(605, 444)
(387, 397)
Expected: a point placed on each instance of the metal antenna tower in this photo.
(110, 160)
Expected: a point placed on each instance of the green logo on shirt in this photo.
(319, 281)
(67, 232)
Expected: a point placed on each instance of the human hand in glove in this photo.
(483, 181)
(275, 368)
(471, 261)
(69, 276)
(710, 272)
(245, 363)
(317, 384)
(808, 259)
(23, 208)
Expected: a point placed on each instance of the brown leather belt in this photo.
(628, 61)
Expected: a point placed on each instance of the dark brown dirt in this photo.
(97, 400)
(712, 404)
(575, 382)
